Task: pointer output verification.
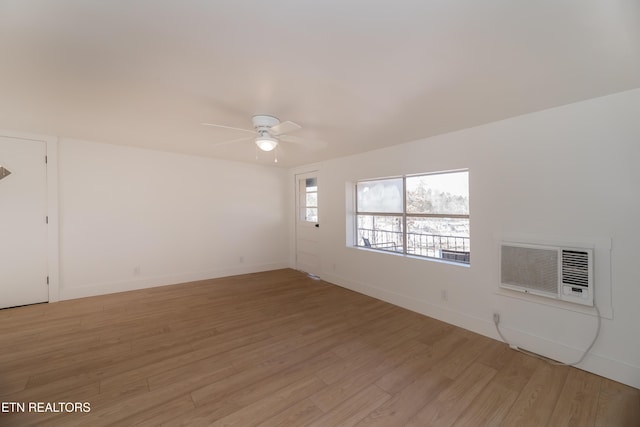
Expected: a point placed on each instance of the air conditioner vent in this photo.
(575, 268)
(533, 268)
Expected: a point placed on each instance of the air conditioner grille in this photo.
(575, 268)
(532, 268)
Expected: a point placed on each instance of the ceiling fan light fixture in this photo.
(266, 143)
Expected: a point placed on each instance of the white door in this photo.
(23, 228)
(307, 226)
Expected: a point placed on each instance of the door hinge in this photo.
(46, 219)
(46, 159)
(47, 280)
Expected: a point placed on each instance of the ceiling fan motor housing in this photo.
(262, 122)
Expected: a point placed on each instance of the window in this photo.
(308, 188)
(422, 215)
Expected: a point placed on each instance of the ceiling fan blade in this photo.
(246, 138)
(312, 144)
(284, 127)
(227, 127)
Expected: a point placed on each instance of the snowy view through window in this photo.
(434, 223)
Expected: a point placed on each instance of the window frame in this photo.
(302, 200)
(404, 215)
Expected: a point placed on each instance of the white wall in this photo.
(568, 174)
(132, 218)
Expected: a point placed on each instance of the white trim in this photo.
(314, 167)
(53, 231)
(53, 248)
(595, 363)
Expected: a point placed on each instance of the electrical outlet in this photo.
(496, 317)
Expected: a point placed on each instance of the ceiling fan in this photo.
(267, 132)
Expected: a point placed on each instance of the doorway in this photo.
(307, 225)
(23, 222)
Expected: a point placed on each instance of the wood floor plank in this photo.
(280, 349)
(299, 414)
(299, 362)
(177, 367)
(154, 416)
(488, 408)
(518, 371)
(282, 379)
(405, 373)
(578, 400)
(446, 408)
(459, 361)
(253, 413)
(618, 405)
(12, 382)
(537, 399)
(58, 389)
(353, 410)
(368, 373)
(371, 350)
(210, 368)
(406, 403)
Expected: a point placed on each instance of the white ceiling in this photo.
(357, 74)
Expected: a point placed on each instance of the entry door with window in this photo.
(23, 228)
(307, 225)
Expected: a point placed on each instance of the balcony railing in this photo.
(453, 248)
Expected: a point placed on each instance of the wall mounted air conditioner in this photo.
(561, 273)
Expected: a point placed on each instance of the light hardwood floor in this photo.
(281, 349)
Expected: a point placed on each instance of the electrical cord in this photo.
(496, 321)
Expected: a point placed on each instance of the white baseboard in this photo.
(594, 363)
(152, 282)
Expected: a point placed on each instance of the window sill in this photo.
(416, 257)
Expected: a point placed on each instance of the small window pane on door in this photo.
(308, 200)
(312, 215)
(312, 200)
(311, 184)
